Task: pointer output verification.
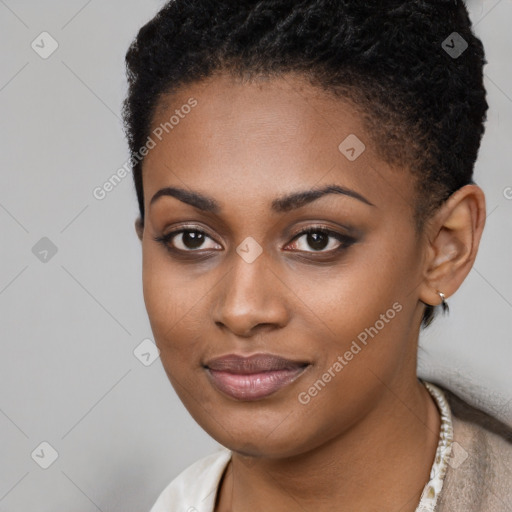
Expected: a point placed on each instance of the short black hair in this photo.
(413, 69)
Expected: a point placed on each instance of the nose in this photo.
(252, 298)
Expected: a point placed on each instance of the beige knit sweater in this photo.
(479, 477)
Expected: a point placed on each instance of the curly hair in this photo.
(423, 106)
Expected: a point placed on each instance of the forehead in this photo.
(265, 138)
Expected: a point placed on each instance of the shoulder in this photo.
(195, 488)
(479, 476)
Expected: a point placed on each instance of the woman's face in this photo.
(242, 280)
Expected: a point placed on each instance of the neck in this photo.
(381, 463)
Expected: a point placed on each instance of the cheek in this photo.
(169, 298)
(352, 295)
(363, 309)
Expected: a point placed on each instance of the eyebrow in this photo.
(282, 204)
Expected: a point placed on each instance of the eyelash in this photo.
(345, 240)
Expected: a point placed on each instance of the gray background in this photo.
(70, 324)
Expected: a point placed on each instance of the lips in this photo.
(254, 377)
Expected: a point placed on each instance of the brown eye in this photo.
(319, 239)
(190, 239)
(187, 240)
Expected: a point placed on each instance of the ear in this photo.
(453, 235)
(139, 228)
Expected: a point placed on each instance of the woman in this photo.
(304, 178)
